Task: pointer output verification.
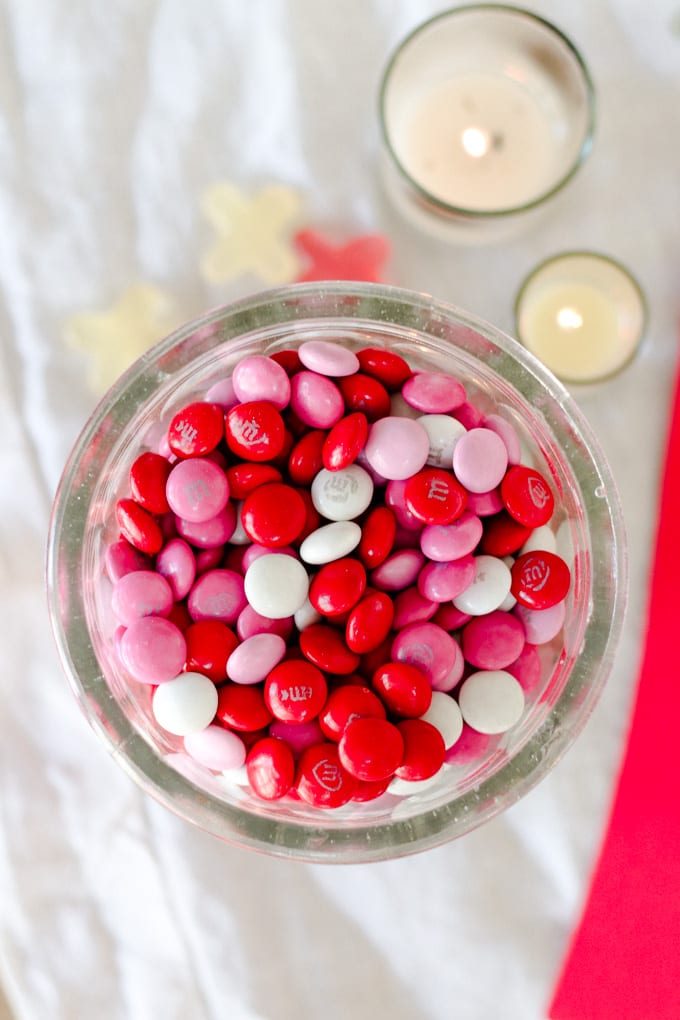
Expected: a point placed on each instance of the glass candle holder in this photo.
(501, 378)
(582, 314)
(486, 112)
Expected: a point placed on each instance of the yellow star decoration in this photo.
(113, 339)
(253, 233)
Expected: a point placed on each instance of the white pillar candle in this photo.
(582, 315)
(486, 111)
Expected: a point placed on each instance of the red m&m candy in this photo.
(196, 430)
(326, 648)
(387, 367)
(321, 779)
(371, 749)
(273, 515)
(540, 579)
(338, 586)
(255, 431)
(377, 537)
(148, 478)
(270, 767)
(345, 704)
(404, 689)
(345, 441)
(209, 645)
(138, 527)
(527, 496)
(295, 691)
(306, 458)
(434, 496)
(242, 708)
(369, 622)
(245, 477)
(424, 750)
(363, 393)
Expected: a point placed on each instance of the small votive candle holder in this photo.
(582, 314)
(486, 112)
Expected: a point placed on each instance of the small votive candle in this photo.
(486, 112)
(582, 314)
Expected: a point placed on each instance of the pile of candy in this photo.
(336, 571)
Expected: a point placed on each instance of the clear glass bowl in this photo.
(500, 376)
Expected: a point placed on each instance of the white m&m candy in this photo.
(491, 701)
(276, 585)
(342, 495)
(489, 589)
(330, 542)
(186, 704)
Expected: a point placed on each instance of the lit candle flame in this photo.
(475, 142)
(569, 318)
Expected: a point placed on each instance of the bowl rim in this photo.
(448, 209)
(325, 842)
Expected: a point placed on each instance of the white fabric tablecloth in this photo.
(114, 119)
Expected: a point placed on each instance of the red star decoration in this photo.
(359, 259)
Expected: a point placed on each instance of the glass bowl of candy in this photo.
(337, 572)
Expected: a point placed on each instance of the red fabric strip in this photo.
(624, 960)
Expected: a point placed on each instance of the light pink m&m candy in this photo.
(480, 459)
(399, 570)
(255, 657)
(328, 358)
(216, 748)
(397, 447)
(542, 625)
(260, 378)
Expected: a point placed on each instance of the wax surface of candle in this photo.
(573, 328)
(479, 141)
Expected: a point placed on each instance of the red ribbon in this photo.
(624, 960)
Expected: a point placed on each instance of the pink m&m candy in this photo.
(197, 489)
(217, 595)
(493, 641)
(397, 447)
(141, 593)
(444, 542)
(431, 650)
(316, 400)
(442, 582)
(433, 392)
(177, 563)
(153, 650)
(211, 533)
